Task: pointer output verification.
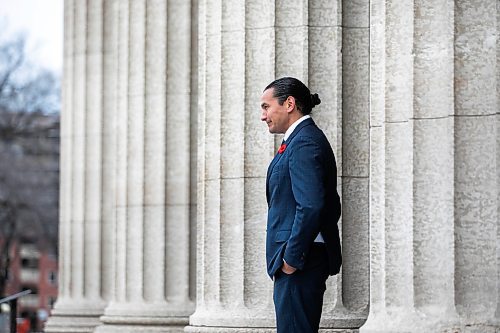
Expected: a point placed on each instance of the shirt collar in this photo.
(290, 129)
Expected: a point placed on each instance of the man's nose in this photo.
(263, 116)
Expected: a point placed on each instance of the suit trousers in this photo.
(298, 297)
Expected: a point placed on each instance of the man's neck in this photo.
(294, 125)
(293, 118)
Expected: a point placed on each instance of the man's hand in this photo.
(287, 269)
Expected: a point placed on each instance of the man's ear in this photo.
(290, 104)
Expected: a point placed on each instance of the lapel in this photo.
(278, 156)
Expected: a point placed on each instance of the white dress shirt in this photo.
(294, 126)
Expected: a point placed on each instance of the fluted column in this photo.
(152, 281)
(476, 169)
(244, 45)
(109, 156)
(391, 169)
(85, 277)
(233, 291)
(497, 313)
(433, 167)
(377, 163)
(325, 78)
(355, 160)
(433, 230)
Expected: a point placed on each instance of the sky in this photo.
(42, 22)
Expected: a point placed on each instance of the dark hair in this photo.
(289, 86)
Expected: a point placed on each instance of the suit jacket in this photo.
(302, 200)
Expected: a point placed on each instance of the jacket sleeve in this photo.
(308, 187)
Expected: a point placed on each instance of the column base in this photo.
(204, 329)
(145, 317)
(244, 320)
(73, 316)
(402, 321)
(131, 324)
(132, 328)
(71, 324)
(411, 321)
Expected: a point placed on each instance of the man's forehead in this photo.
(267, 94)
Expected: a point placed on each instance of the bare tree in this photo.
(29, 180)
(29, 150)
(25, 87)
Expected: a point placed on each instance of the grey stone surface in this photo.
(291, 13)
(325, 79)
(227, 294)
(433, 68)
(324, 13)
(398, 214)
(497, 313)
(355, 14)
(355, 251)
(446, 161)
(109, 119)
(476, 219)
(475, 56)
(292, 54)
(377, 221)
(377, 62)
(153, 189)
(476, 193)
(355, 102)
(259, 14)
(433, 216)
(190, 329)
(398, 41)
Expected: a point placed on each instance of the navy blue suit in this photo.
(303, 201)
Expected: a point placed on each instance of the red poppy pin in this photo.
(282, 148)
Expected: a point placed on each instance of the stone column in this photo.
(433, 167)
(377, 163)
(355, 160)
(476, 169)
(391, 169)
(233, 290)
(109, 156)
(152, 286)
(243, 47)
(433, 231)
(497, 313)
(84, 223)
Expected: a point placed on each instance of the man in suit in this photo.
(302, 245)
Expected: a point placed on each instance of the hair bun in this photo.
(315, 100)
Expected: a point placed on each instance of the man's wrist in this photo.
(287, 268)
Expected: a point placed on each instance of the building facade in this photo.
(164, 161)
(35, 268)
